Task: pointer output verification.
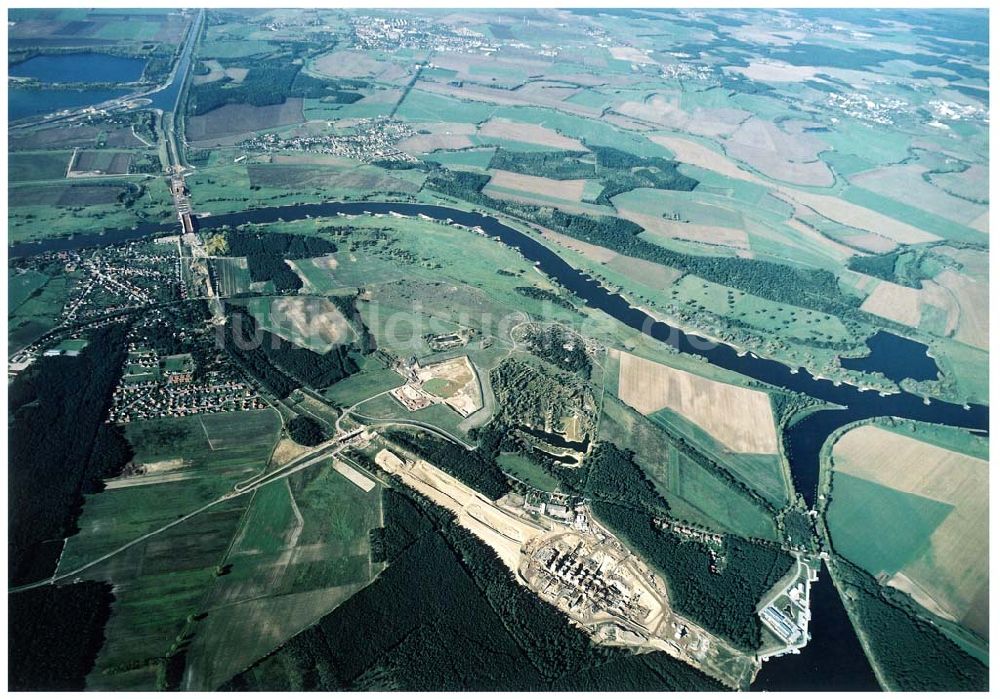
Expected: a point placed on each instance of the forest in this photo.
(724, 602)
(307, 431)
(57, 407)
(560, 348)
(448, 615)
(912, 655)
(266, 254)
(55, 633)
(473, 468)
(556, 165)
(265, 85)
(280, 365)
(621, 172)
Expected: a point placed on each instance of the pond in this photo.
(26, 103)
(80, 68)
(895, 357)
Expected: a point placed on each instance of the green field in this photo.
(21, 284)
(761, 472)
(523, 468)
(904, 523)
(693, 492)
(302, 549)
(40, 310)
(318, 279)
(43, 211)
(44, 165)
(932, 223)
(233, 276)
(793, 323)
(368, 382)
(219, 450)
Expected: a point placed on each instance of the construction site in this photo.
(571, 561)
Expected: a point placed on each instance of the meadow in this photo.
(929, 505)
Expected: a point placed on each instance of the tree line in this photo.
(56, 411)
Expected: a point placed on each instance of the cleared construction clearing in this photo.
(453, 380)
(948, 573)
(500, 530)
(313, 323)
(740, 418)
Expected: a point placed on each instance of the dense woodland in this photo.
(267, 84)
(448, 615)
(55, 633)
(616, 170)
(912, 655)
(266, 254)
(560, 348)
(281, 365)
(57, 407)
(621, 172)
(475, 469)
(307, 431)
(556, 165)
(724, 602)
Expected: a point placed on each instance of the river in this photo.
(833, 660)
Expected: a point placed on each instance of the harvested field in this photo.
(972, 298)
(354, 476)
(783, 156)
(914, 307)
(360, 64)
(739, 418)
(855, 216)
(54, 137)
(905, 183)
(951, 566)
(366, 179)
(630, 54)
(428, 143)
(704, 157)
(312, 323)
(667, 112)
(529, 133)
(571, 190)
(777, 72)
(215, 72)
(973, 182)
(656, 227)
(220, 126)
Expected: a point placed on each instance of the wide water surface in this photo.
(23, 103)
(80, 68)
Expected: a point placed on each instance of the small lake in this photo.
(80, 68)
(895, 357)
(27, 103)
